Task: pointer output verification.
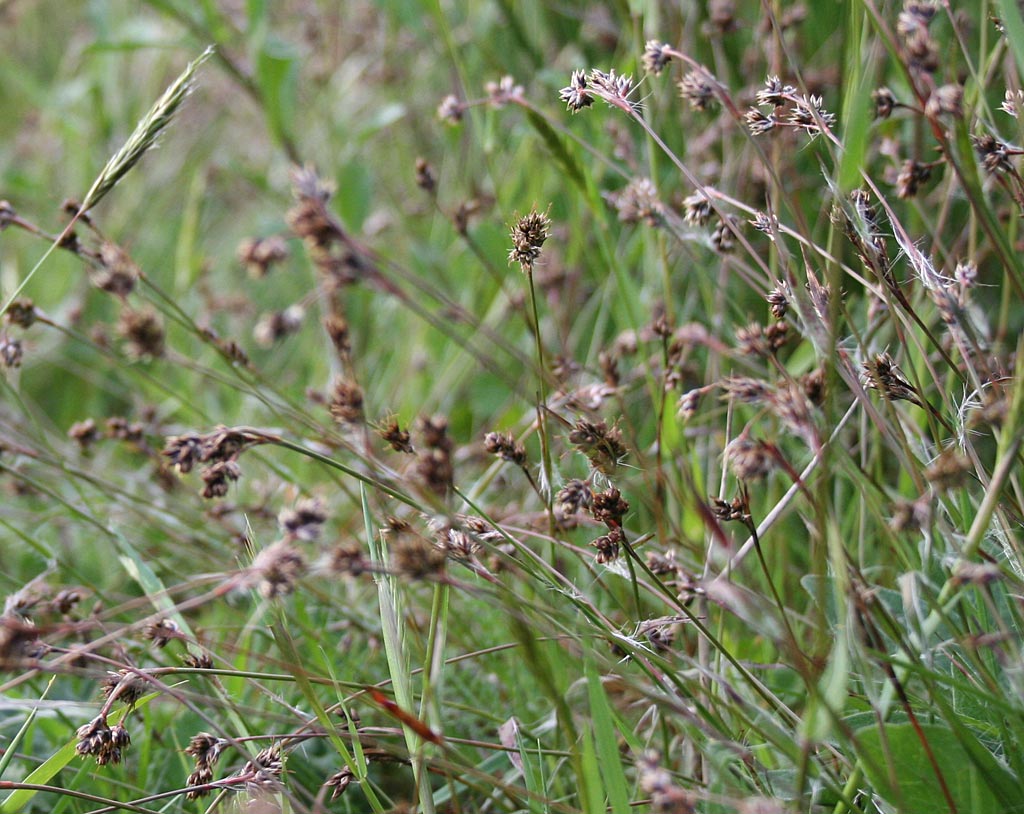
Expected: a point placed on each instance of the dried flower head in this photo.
(697, 88)
(1013, 102)
(656, 56)
(205, 749)
(638, 201)
(775, 93)
(126, 686)
(528, 235)
(398, 439)
(572, 498)
(576, 94)
(11, 352)
(745, 390)
(218, 476)
(503, 91)
(689, 402)
(276, 569)
(161, 632)
(609, 507)
(196, 781)
(84, 433)
(277, 325)
(346, 405)
(426, 179)
(305, 521)
(994, 154)
(912, 175)
(809, 114)
(724, 236)
(656, 783)
(21, 312)
(505, 446)
(451, 110)
(882, 374)
(884, 101)
(749, 459)
(613, 88)
(338, 782)
(258, 254)
(602, 445)
(607, 546)
(697, 210)
(778, 299)
(144, 332)
(102, 742)
(946, 99)
(759, 123)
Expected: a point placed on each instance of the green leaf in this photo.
(276, 75)
(606, 739)
(902, 773)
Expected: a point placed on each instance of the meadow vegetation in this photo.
(511, 407)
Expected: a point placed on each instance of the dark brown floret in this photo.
(144, 332)
(304, 522)
(602, 446)
(698, 91)
(202, 776)
(125, 686)
(22, 312)
(506, 447)
(398, 439)
(425, 177)
(912, 175)
(258, 254)
(218, 476)
(573, 498)
(882, 374)
(884, 101)
(161, 632)
(84, 433)
(277, 325)
(576, 95)
(205, 748)
(749, 459)
(11, 352)
(337, 329)
(656, 56)
(609, 507)
(346, 403)
(528, 235)
(608, 546)
(277, 568)
(117, 273)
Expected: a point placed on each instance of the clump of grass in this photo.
(338, 508)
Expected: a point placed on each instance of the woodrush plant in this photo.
(482, 540)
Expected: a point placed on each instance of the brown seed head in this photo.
(506, 447)
(749, 459)
(22, 312)
(258, 254)
(609, 507)
(277, 568)
(346, 403)
(608, 545)
(305, 521)
(117, 273)
(144, 332)
(528, 235)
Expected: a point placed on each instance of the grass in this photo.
(423, 426)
